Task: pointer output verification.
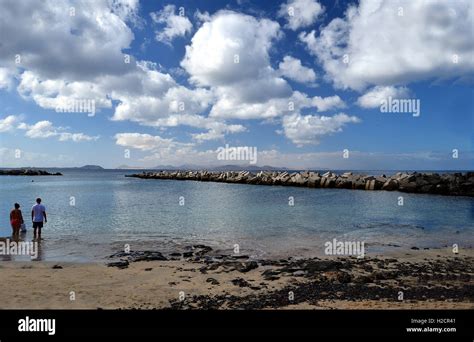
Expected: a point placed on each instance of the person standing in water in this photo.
(38, 214)
(16, 220)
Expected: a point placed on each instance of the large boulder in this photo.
(298, 180)
(328, 182)
(314, 180)
(390, 185)
(408, 186)
(343, 183)
(358, 184)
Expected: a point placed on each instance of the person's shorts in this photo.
(37, 224)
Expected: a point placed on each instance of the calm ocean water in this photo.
(111, 210)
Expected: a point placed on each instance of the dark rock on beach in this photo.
(212, 281)
(135, 256)
(454, 184)
(347, 279)
(311, 280)
(119, 264)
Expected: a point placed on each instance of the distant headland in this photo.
(28, 172)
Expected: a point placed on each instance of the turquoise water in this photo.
(111, 210)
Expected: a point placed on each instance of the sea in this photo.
(94, 213)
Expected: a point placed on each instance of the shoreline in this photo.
(67, 250)
(205, 279)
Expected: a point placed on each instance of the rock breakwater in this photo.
(454, 184)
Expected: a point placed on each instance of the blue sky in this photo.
(181, 94)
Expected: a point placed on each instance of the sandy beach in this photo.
(203, 279)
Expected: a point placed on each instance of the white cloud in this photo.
(145, 142)
(229, 107)
(81, 58)
(328, 103)
(64, 59)
(374, 97)
(211, 59)
(176, 25)
(76, 137)
(202, 17)
(393, 43)
(230, 54)
(55, 44)
(292, 68)
(215, 129)
(6, 78)
(8, 123)
(54, 93)
(300, 13)
(45, 129)
(309, 129)
(127, 10)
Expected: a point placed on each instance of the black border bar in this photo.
(241, 323)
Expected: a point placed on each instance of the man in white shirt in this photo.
(38, 214)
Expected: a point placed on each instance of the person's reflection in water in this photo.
(39, 251)
(5, 257)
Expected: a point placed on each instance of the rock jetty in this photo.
(28, 172)
(454, 184)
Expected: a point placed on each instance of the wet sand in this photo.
(202, 279)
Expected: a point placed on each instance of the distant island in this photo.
(91, 167)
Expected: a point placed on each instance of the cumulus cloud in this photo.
(369, 46)
(45, 129)
(81, 58)
(56, 93)
(374, 97)
(6, 78)
(230, 54)
(300, 13)
(308, 129)
(8, 123)
(230, 48)
(292, 68)
(127, 10)
(54, 43)
(228, 107)
(176, 25)
(328, 103)
(146, 142)
(41, 130)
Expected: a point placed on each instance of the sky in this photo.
(309, 84)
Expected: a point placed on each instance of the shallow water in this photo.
(111, 210)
